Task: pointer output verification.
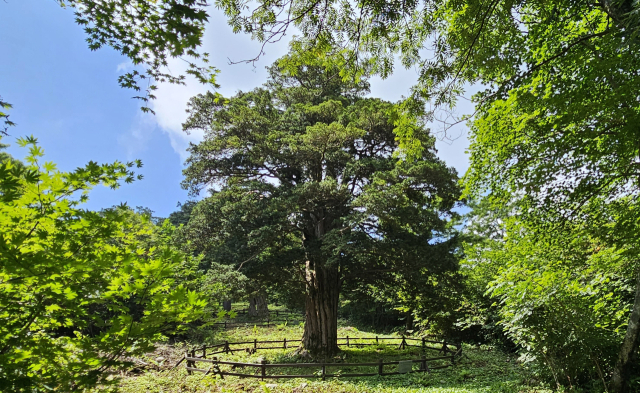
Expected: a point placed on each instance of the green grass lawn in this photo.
(480, 370)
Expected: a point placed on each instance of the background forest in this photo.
(308, 192)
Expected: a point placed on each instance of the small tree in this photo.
(311, 185)
(78, 289)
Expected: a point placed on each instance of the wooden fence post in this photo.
(216, 367)
(424, 343)
(376, 339)
(186, 355)
(284, 345)
(380, 365)
(324, 371)
(347, 341)
(459, 350)
(263, 368)
(225, 324)
(423, 364)
(226, 347)
(255, 343)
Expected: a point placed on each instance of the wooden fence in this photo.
(244, 311)
(291, 316)
(267, 323)
(404, 366)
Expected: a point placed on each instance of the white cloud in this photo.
(124, 66)
(139, 135)
(170, 108)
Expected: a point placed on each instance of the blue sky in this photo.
(68, 97)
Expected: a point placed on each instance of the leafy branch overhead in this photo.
(149, 33)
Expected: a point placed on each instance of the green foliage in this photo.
(222, 282)
(484, 231)
(500, 44)
(78, 289)
(563, 296)
(183, 214)
(6, 156)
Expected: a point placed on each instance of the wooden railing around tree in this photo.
(244, 311)
(404, 366)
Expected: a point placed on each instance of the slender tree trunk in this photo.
(320, 336)
(629, 346)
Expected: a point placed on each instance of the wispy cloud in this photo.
(124, 66)
(137, 139)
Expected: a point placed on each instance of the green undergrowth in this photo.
(481, 369)
(279, 314)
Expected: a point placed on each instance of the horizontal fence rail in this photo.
(245, 311)
(281, 316)
(357, 342)
(192, 357)
(263, 367)
(266, 323)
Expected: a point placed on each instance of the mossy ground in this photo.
(482, 369)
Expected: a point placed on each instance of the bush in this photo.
(78, 289)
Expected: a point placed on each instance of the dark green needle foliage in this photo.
(309, 190)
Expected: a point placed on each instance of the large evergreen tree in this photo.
(310, 184)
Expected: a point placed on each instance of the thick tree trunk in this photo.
(261, 305)
(320, 336)
(258, 306)
(226, 305)
(629, 346)
(252, 312)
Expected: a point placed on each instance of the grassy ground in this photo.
(480, 370)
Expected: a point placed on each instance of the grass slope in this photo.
(481, 370)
